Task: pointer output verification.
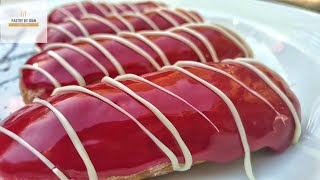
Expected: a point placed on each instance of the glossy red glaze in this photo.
(131, 61)
(57, 16)
(96, 27)
(118, 147)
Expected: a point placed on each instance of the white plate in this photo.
(284, 38)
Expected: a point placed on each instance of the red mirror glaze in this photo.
(131, 61)
(118, 147)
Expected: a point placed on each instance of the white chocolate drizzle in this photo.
(73, 137)
(179, 14)
(185, 151)
(65, 12)
(112, 8)
(120, 7)
(167, 18)
(105, 52)
(68, 67)
(53, 80)
(163, 12)
(179, 38)
(235, 114)
(194, 17)
(142, 36)
(81, 8)
(63, 30)
(79, 25)
(125, 22)
(163, 147)
(246, 63)
(133, 7)
(145, 18)
(202, 38)
(45, 160)
(80, 51)
(130, 45)
(211, 68)
(100, 8)
(103, 21)
(138, 78)
(230, 36)
(151, 44)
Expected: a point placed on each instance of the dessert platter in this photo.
(139, 90)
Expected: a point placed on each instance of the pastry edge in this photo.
(155, 171)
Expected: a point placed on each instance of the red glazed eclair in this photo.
(79, 9)
(87, 60)
(136, 127)
(155, 19)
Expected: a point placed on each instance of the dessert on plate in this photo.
(78, 9)
(88, 59)
(135, 127)
(154, 19)
(138, 90)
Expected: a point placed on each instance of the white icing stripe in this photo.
(164, 148)
(112, 8)
(224, 32)
(79, 25)
(179, 14)
(80, 51)
(73, 137)
(133, 7)
(185, 151)
(63, 30)
(189, 14)
(211, 68)
(68, 67)
(138, 78)
(167, 17)
(283, 96)
(120, 7)
(146, 19)
(179, 38)
(99, 7)
(105, 52)
(45, 160)
(137, 49)
(102, 20)
(125, 22)
(195, 17)
(81, 8)
(65, 12)
(151, 44)
(130, 45)
(235, 114)
(202, 38)
(53, 80)
(59, 174)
